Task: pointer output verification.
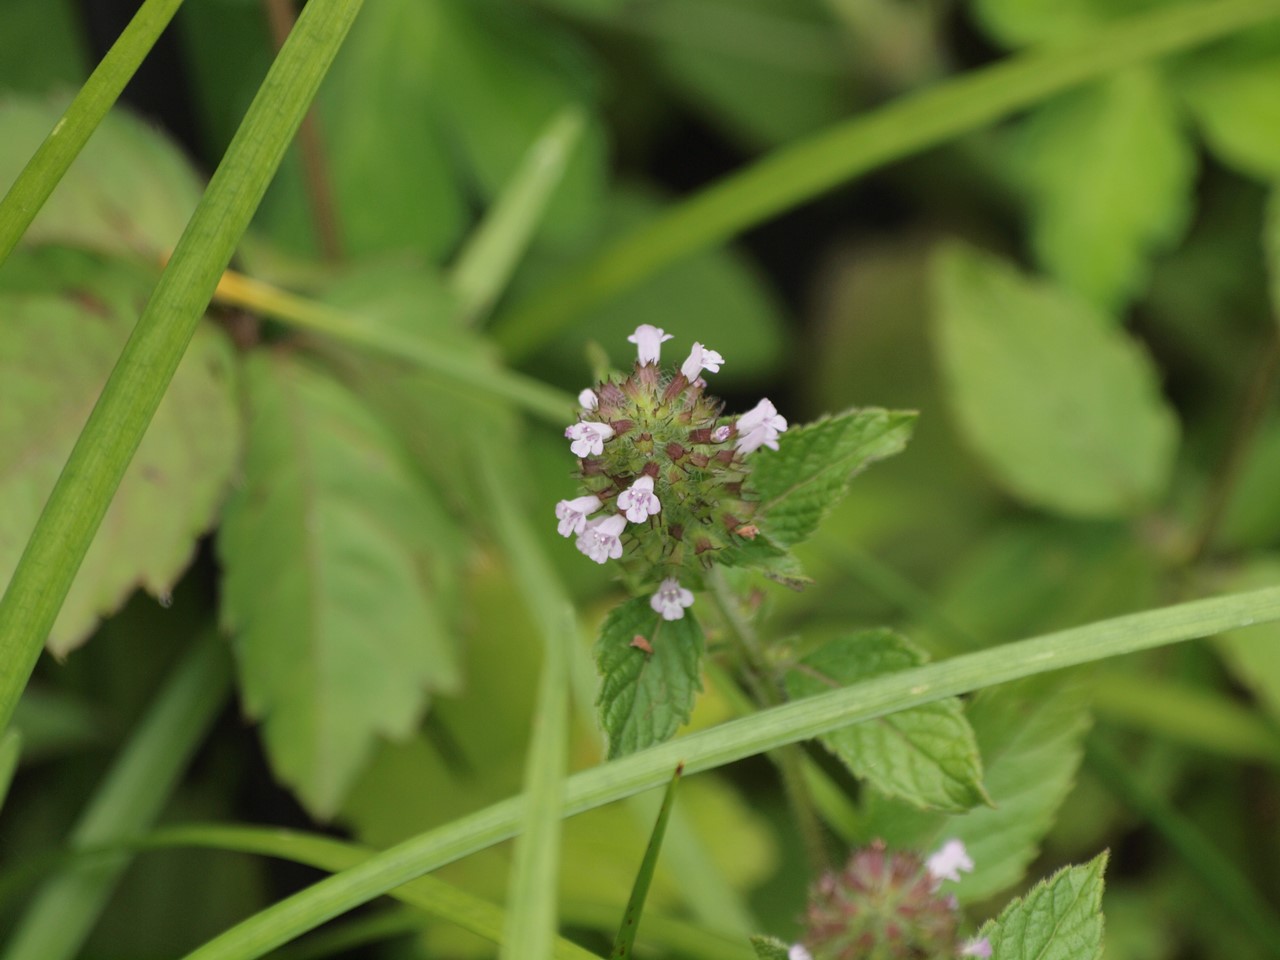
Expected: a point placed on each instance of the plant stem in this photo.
(758, 677)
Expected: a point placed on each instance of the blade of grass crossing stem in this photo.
(72, 131)
(797, 173)
(1216, 872)
(133, 391)
(625, 941)
(548, 403)
(531, 910)
(736, 740)
(134, 791)
(360, 932)
(485, 265)
(10, 753)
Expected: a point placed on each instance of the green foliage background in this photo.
(1039, 241)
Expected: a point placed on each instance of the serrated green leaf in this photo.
(56, 351)
(1231, 91)
(769, 948)
(1109, 174)
(1058, 919)
(129, 193)
(1064, 410)
(810, 471)
(1253, 653)
(926, 756)
(329, 550)
(1030, 737)
(645, 697)
(764, 556)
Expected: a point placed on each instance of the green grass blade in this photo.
(797, 173)
(129, 400)
(69, 135)
(736, 740)
(531, 912)
(624, 943)
(360, 932)
(10, 753)
(135, 789)
(1219, 876)
(486, 263)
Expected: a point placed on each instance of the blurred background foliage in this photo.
(1076, 300)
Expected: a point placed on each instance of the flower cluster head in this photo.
(664, 475)
(889, 906)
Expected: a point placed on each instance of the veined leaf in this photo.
(1029, 735)
(1064, 410)
(130, 192)
(1059, 919)
(56, 351)
(645, 694)
(1109, 173)
(810, 471)
(926, 756)
(330, 549)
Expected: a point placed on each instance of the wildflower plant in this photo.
(672, 487)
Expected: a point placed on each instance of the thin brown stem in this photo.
(315, 166)
(1252, 413)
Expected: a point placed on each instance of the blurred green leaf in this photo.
(769, 948)
(645, 695)
(130, 191)
(1058, 919)
(10, 753)
(1231, 91)
(54, 722)
(57, 351)
(814, 464)
(1065, 411)
(1109, 174)
(1023, 22)
(1253, 653)
(926, 756)
(716, 297)
(334, 553)
(503, 76)
(765, 71)
(1271, 240)
(40, 45)
(1030, 736)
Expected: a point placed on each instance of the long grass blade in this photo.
(624, 943)
(485, 265)
(797, 173)
(135, 789)
(133, 391)
(69, 135)
(736, 740)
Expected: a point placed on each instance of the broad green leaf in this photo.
(1253, 653)
(769, 948)
(645, 696)
(503, 76)
(1109, 174)
(130, 192)
(334, 551)
(807, 475)
(765, 71)
(55, 354)
(1064, 410)
(764, 556)
(1030, 738)
(926, 756)
(1231, 91)
(1058, 919)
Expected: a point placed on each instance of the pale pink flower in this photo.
(573, 514)
(599, 540)
(977, 947)
(588, 400)
(588, 437)
(949, 860)
(798, 952)
(649, 340)
(639, 501)
(671, 599)
(760, 427)
(720, 434)
(700, 358)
